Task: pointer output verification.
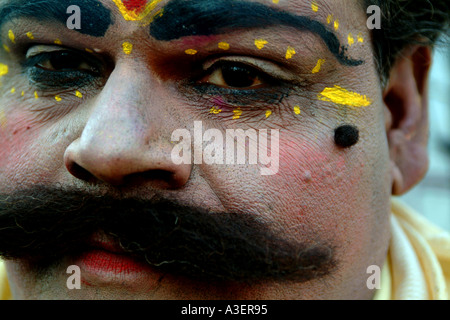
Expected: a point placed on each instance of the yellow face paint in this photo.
(314, 6)
(329, 18)
(78, 94)
(11, 36)
(237, 114)
(268, 113)
(350, 39)
(297, 110)
(290, 53)
(360, 38)
(260, 43)
(215, 110)
(276, 1)
(344, 97)
(89, 50)
(36, 96)
(58, 98)
(13, 90)
(57, 41)
(318, 66)
(191, 52)
(3, 70)
(30, 35)
(336, 25)
(22, 93)
(6, 48)
(224, 46)
(127, 47)
(139, 13)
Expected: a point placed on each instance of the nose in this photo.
(125, 139)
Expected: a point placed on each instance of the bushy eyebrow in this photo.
(95, 18)
(183, 18)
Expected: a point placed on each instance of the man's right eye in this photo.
(64, 61)
(47, 68)
(61, 61)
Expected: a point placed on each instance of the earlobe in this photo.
(406, 100)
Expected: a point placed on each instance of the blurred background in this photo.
(432, 196)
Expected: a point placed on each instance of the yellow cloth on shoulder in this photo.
(5, 293)
(417, 266)
(418, 262)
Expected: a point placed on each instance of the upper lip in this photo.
(105, 242)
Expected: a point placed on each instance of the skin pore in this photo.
(96, 112)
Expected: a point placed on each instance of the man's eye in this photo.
(235, 76)
(64, 61)
(62, 68)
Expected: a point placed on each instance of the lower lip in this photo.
(103, 265)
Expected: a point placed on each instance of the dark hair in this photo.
(407, 22)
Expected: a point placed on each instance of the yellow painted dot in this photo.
(22, 93)
(127, 47)
(224, 46)
(297, 110)
(318, 66)
(276, 1)
(13, 90)
(57, 41)
(36, 96)
(290, 52)
(314, 6)
(215, 110)
(6, 48)
(360, 38)
(58, 98)
(336, 25)
(89, 50)
(260, 43)
(350, 39)
(268, 113)
(237, 114)
(30, 35)
(3, 69)
(11, 36)
(191, 52)
(329, 18)
(78, 94)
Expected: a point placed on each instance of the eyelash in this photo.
(272, 93)
(64, 79)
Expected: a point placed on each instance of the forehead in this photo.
(349, 11)
(137, 10)
(336, 22)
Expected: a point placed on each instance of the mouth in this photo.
(105, 261)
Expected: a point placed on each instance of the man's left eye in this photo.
(234, 76)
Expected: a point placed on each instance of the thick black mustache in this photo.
(47, 224)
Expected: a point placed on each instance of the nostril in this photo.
(158, 175)
(79, 172)
(163, 178)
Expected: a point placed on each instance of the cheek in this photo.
(14, 134)
(318, 166)
(21, 156)
(323, 188)
(326, 195)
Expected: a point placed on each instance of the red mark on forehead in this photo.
(135, 5)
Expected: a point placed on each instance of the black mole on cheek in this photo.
(346, 136)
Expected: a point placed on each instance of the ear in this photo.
(406, 99)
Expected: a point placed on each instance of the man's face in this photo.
(94, 109)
